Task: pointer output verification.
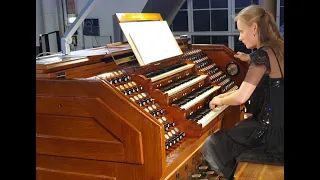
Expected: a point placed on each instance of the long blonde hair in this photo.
(267, 28)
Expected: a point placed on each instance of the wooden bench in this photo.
(252, 171)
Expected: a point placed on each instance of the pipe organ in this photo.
(102, 116)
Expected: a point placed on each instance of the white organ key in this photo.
(205, 120)
(185, 85)
(199, 98)
(172, 72)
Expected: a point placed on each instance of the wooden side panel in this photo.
(113, 120)
(152, 131)
(48, 174)
(142, 137)
(73, 127)
(98, 136)
(60, 106)
(80, 137)
(62, 88)
(120, 171)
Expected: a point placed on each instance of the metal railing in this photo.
(45, 38)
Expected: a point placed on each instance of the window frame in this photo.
(232, 32)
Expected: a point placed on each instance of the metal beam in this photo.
(166, 8)
(67, 37)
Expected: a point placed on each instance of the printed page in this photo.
(151, 41)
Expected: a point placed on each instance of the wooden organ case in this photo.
(102, 116)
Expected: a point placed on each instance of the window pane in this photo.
(201, 39)
(281, 3)
(220, 40)
(200, 4)
(201, 20)
(180, 22)
(239, 46)
(184, 6)
(281, 15)
(219, 20)
(242, 3)
(218, 3)
(237, 10)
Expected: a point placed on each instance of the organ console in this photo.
(100, 115)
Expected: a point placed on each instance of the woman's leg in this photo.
(220, 152)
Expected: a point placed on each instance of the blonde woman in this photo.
(264, 86)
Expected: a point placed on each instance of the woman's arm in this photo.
(237, 98)
(243, 56)
(259, 66)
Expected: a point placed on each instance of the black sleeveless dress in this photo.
(261, 133)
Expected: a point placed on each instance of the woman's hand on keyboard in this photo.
(216, 101)
(242, 56)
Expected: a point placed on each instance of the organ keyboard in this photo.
(109, 118)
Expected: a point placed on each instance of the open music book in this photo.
(151, 41)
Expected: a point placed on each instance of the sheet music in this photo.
(90, 52)
(151, 40)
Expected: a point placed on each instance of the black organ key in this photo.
(161, 71)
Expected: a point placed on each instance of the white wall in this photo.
(104, 11)
(39, 21)
(48, 17)
(47, 21)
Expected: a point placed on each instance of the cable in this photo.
(111, 54)
(37, 57)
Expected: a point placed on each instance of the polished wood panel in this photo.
(81, 71)
(252, 171)
(48, 64)
(57, 63)
(43, 173)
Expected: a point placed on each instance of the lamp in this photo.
(71, 18)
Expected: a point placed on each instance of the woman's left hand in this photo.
(216, 101)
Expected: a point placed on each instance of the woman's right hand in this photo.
(242, 56)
